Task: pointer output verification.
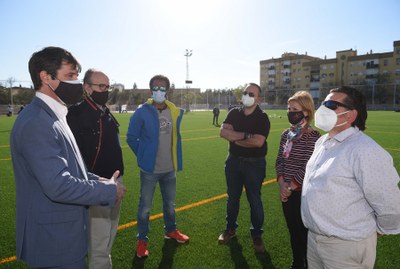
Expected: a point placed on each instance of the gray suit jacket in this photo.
(52, 194)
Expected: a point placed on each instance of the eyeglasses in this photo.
(159, 88)
(101, 86)
(248, 93)
(333, 105)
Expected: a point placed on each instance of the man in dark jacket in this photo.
(96, 132)
(215, 116)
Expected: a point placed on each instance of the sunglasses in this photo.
(333, 105)
(248, 93)
(101, 86)
(157, 88)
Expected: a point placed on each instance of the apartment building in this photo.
(281, 77)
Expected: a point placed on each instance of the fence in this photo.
(378, 96)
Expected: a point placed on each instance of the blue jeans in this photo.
(148, 182)
(249, 173)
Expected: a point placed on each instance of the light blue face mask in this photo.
(158, 96)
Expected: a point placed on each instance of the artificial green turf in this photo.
(202, 178)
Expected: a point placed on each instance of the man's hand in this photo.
(120, 187)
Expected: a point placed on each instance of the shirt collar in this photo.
(59, 109)
(343, 135)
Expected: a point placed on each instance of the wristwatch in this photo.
(289, 189)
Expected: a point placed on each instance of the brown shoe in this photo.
(258, 244)
(226, 236)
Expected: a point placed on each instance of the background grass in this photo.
(202, 178)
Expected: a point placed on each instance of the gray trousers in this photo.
(103, 224)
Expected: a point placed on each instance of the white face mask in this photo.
(325, 118)
(247, 100)
(158, 96)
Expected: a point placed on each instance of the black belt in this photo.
(248, 159)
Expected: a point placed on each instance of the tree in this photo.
(112, 99)
(23, 96)
(10, 82)
(4, 97)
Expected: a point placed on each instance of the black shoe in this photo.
(226, 236)
(258, 244)
(295, 266)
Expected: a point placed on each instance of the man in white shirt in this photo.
(53, 187)
(350, 190)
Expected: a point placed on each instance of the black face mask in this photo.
(100, 98)
(295, 117)
(70, 92)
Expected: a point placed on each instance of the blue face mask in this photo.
(158, 96)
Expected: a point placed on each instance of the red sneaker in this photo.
(178, 236)
(141, 249)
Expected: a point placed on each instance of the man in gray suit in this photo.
(53, 187)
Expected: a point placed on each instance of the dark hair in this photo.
(356, 100)
(159, 77)
(258, 87)
(50, 60)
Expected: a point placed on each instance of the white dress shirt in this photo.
(61, 112)
(350, 189)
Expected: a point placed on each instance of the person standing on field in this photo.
(154, 136)
(350, 190)
(295, 149)
(96, 132)
(53, 187)
(246, 128)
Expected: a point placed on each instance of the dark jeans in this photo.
(215, 119)
(297, 231)
(250, 173)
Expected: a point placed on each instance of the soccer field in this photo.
(200, 202)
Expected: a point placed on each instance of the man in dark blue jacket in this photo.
(53, 187)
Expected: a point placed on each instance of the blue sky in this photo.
(132, 40)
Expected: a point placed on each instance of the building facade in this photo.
(376, 72)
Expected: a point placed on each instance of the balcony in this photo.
(372, 65)
(372, 76)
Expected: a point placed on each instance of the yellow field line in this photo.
(392, 149)
(157, 216)
(186, 207)
(7, 260)
(202, 138)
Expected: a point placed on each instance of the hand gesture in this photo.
(120, 187)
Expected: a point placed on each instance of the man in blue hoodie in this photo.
(154, 136)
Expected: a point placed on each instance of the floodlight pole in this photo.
(187, 55)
